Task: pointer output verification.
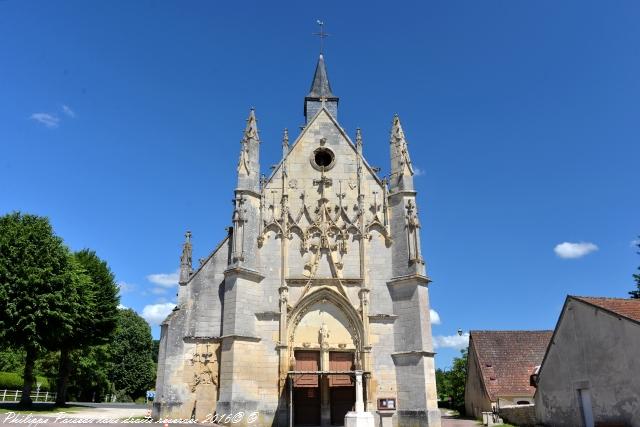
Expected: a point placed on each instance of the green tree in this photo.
(457, 379)
(132, 369)
(442, 385)
(89, 379)
(451, 383)
(156, 349)
(636, 293)
(11, 360)
(96, 321)
(38, 287)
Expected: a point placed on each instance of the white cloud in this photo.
(159, 291)
(122, 307)
(154, 314)
(166, 280)
(574, 250)
(451, 341)
(435, 317)
(68, 111)
(49, 120)
(417, 171)
(125, 287)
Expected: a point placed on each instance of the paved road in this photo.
(109, 405)
(83, 413)
(122, 411)
(448, 420)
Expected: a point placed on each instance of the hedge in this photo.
(14, 381)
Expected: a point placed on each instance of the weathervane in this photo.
(322, 35)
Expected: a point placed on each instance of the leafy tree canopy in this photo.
(36, 282)
(11, 360)
(132, 368)
(451, 383)
(95, 320)
(103, 291)
(41, 286)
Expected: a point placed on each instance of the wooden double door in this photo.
(315, 396)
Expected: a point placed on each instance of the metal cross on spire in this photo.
(322, 35)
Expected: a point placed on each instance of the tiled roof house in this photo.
(499, 368)
(629, 308)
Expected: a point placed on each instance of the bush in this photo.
(123, 396)
(10, 380)
(14, 381)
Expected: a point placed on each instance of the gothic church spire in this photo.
(320, 93)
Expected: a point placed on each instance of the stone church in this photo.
(315, 306)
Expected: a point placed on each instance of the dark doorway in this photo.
(342, 393)
(342, 401)
(306, 389)
(306, 406)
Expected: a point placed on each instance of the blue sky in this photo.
(121, 122)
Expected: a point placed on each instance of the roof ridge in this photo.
(614, 298)
(625, 307)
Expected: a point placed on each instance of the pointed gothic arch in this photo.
(325, 294)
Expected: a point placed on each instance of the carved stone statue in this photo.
(323, 335)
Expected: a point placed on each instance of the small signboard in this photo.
(387, 404)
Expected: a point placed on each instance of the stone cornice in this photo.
(236, 337)
(302, 281)
(268, 315)
(414, 278)
(248, 192)
(243, 272)
(382, 318)
(413, 353)
(194, 339)
(410, 193)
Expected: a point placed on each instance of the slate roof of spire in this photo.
(507, 359)
(320, 87)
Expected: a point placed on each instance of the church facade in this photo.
(316, 303)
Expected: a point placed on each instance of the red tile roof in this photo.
(624, 307)
(508, 358)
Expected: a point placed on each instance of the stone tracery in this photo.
(328, 227)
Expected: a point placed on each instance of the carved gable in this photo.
(325, 198)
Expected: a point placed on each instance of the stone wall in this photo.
(519, 415)
(475, 397)
(595, 352)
